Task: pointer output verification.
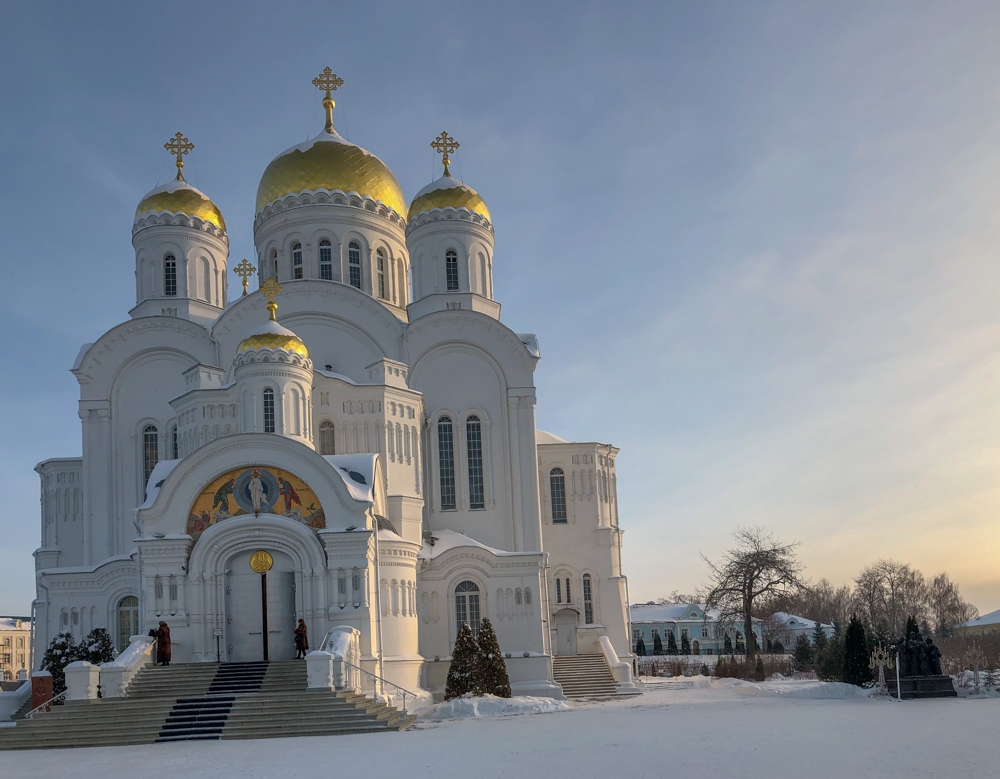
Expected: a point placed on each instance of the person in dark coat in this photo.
(163, 644)
(301, 640)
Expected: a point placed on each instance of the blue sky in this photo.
(758, 242)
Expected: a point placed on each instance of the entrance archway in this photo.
(246, 629)
(128, 620)
(566, 621)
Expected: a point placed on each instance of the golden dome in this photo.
(179, 197)
(332, 163)
(273, 336)
(446, 192)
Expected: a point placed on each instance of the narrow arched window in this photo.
(170, 276)
(174, 449)
(558, 590)
(150, 452)
(568, 598)
(354, 264)
(297, 260)
(268, 410)
(327, 437)
(380, 263)
(325, 260)
(446, 462)
(451, 270)
(274, 264)
(467, 606)
(557, 491)
(588, 601)
(474, 446)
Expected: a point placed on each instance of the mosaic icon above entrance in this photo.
(255, 491)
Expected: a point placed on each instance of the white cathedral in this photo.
(375, 437)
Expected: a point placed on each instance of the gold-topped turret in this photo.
(272, 335)
(179, 146)
(328, 81)
(271, 289)
(445, 145)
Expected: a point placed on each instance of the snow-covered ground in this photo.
(680, 727)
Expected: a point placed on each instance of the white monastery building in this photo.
(376, 439)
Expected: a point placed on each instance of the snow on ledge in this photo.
(474, 706)
(802, 689)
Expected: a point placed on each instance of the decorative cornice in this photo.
(167, 219)
(332, 197)
(448, 214)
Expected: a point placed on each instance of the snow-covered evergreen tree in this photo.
(685, 644)
(818, 639)
(640, 647)
(97, 647)
(671, 643)
(803, 652)
(464, 659)
(856, 670)
(61, 652)
(491, 670)
(657, 644)
(727, 645)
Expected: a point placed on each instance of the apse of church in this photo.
(349, 439)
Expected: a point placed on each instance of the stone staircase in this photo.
(206, 701)
(585, 676)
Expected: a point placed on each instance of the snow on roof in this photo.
(341, 376)
(323, 137)
(271, 326)
(172, 186)
(358, 473)
(80, 355)
(445, 182)
(15, 623)
(530, 341)
(784, 617)
(446, 540)
(667, 612)
(160, 472)
(544, 437)
(993, 618)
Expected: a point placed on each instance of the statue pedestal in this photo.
(913, 687)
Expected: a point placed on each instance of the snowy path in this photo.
(673, 730)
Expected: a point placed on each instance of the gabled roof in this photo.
(993, 618)
(784, 618)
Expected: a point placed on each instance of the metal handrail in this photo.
(401, 693)
(61, 697)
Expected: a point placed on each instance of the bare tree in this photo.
(821, 602)
(758, 567)
(888, 592)
(947, 607)
(680, 597)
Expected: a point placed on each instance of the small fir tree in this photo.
(856, 670)
(491, 670)
(741, 648)
(911, 628)
(818, 639)
(758, 673)
(685, 644)
(464, 659)
(803, 652)
(671, 643)
(657, 644)
(97, 647)
(640, 647)
(829, 663)
(61, 652)
(727, 645)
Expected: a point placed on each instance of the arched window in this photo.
(474, 444)
(268, 410)
(467, 606)
(327, 437)
(451, 270)
(568, 598)
(380, 262)
(150, 452)
(354, 264)
(274, 264)
(170, 276)
(446, 462)
(588, 601)
(325, 260)
(557, 491)
(174, 449)
(297, 260)
(128, 620)
(558, 590)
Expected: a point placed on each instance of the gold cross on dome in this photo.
(245, 270)
(328, 82)
(445, 144)
(179, 146)
(271, 289)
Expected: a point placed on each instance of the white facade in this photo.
(388, 423)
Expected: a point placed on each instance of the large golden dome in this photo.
(330, 162)
(446, 192)
(179, 197)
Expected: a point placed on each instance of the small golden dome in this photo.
(446, 192)
(273, 336)
(179, 197)
(332, 163)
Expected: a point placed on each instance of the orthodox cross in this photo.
(245, 270)
(880, 660)
(271, 289)
(445, 144)
(327, 81)
(179, 146)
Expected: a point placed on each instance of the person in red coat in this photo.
(301, 640)
(163, 644)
